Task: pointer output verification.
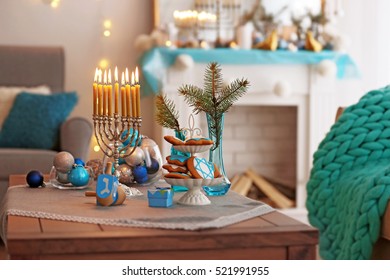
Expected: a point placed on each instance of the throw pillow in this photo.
(35, 120)
(8, 95)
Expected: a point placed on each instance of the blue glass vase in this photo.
(216, 157)
(181, 136)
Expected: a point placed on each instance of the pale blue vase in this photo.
(216, 156)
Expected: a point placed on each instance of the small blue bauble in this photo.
(34, 179)
(154, 167)
(79, 161)
(123, 136)
(140, 172)
(78, 176)
(142, 180)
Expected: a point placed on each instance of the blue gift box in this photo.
(160, 197)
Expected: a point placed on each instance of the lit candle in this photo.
(116, 91)
(109, 89)
(95, 94)
(128, 94)
(133, 96)
(105, 93)
(100, 93)
(138, 92)
(123, 95)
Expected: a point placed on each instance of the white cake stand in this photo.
(194, 195)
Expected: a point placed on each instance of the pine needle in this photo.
(167, 115)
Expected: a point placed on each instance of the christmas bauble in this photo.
(34, 179)
(150, 145)
(78, 176)
(125, 174)
(142, 180)
(140, 173)
(154, 166)
(79, 161)
(62, 178)
(97, 167)
(63, 162)
(136, 158)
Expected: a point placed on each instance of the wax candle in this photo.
(133, 96)
(109, 89)
(128, 94)
(123, 96)
(116, 91)
(100, 94)
(138, 92)
(105, 93)
(95, 94)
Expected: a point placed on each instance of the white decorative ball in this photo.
(282, 89)
(63, 162)
(158, 38)
(327, 68)
(184, 61)
(136, 158)
(143, 43)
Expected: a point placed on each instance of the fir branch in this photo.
(231, 94)
(213, 80)
(167, 115)
(197, 98)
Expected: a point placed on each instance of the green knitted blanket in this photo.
(349, 184)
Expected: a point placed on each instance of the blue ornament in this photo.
(123, 137)
(140, 172)
(78, 176)
(154, 166)
(34, 179)
(142, 180)
(79, 161)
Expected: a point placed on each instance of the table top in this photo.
(270, 236)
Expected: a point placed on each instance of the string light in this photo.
(103, 63)
(107, 28)
(54, 3)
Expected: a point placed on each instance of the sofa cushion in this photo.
(34, 120)
(8, 95)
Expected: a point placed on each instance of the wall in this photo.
(78, 27)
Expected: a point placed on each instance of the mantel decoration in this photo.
(118, 128)
(214, 100)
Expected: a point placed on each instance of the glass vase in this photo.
(216, 157)
(181, 136)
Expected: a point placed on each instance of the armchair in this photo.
(34, 66)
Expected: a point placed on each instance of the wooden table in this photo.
(271, 236)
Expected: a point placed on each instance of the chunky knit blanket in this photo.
(349, 184)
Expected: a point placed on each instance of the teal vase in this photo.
(181, 136)
(216, 157)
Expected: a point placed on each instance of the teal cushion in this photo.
(34, 120)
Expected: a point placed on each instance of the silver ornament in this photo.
(97, 167)
(63, 162)
(136, 158)
(125, 174)
(62, 178)
(151, 146)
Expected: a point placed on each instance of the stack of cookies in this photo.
(192, 167)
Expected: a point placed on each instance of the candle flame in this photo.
(105, 77)
(96, 75)
(127, 75)
(123, 78)
(132, 78)
(136, 75)
(116, 74)
(109, 76)
(100, 76)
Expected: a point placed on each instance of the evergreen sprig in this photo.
(167, 115)
(215, 99)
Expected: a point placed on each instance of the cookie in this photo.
(173, 140)
(176, 175)
(177, 160)
(175, 168)
(217, 173)
(200, 168)
(199, 141)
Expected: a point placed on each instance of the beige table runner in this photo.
(72, 205)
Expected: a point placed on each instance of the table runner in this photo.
(72, 205)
